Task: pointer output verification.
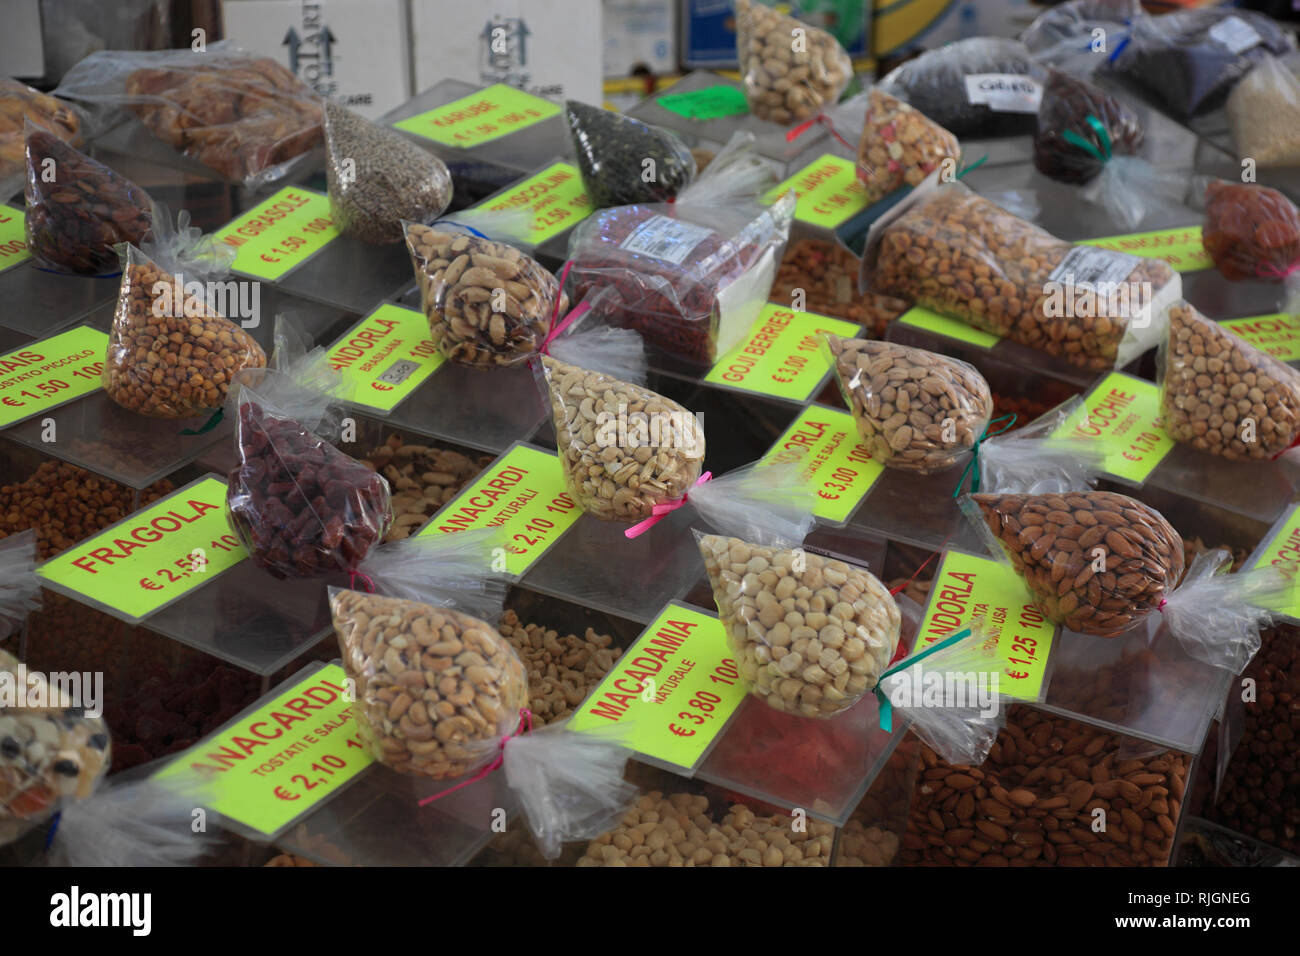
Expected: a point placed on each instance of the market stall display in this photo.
(20, 105)
(786, 80)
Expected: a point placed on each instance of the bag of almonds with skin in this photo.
(900, 147)
(945, 248)
(790, 70)
(915, 410)
(1222, 395)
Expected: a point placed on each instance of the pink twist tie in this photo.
(525, 721)
(659, 512)
(1161, 606)
(558, 328)
(1270, 271)
(365, 578)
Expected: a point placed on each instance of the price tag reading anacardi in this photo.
(13, 238)
(385, 357)
(1277, 334)
(835, 465)
(480, 117)
(1123, 413)
(268, 768)
(828, 190)
(672, 691)
(280, 234)
(522, 495)
(555, 197)
(1181, 248)
(782, 356)
(968, 589)
(49, 373)
(937, 324)
(155, 556)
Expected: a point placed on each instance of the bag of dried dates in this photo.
(786, 80)
(20, 105)
(1220, 394)
(691, 275)
(615, 153)
(78, 209)
(900, 146)
(947, 249)
(1252, 232)
(1066, 37)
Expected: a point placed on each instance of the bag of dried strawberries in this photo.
(1251, 231)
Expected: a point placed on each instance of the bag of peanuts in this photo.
(20, 105)
(915, 410)
(623, 160)
(899, 147)
(78, 210)
(1252, 232)
(945, 248)
(790, 70)
(1221, 394)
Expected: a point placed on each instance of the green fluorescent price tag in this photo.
(523, 496)
(268, 768)
(672, 691)
(50, 372)
(555, 197)
(828, 190)
(385, 357)
(480, 117)
(835, 464)
(13, 238)
(708, 103)
(967, 589)
(1277, 334)
(1283, 553)
(1123, 413)
(155, 556)
(782, 354)
(1180, 247)
(949, 328)
(280, 234)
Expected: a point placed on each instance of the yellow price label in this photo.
(280, 234)
(13, 238)
(1123, 414)
(51, 372)
(782, 355)
(828, 191)
(480, 117)
(1283, 553)
(385, 357)
(834, 463)
(555, 197)
(1181, 248)
(1277, 334)
(937, 324)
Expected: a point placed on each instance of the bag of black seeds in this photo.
(625, 161)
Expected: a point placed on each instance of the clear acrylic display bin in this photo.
(554, 249)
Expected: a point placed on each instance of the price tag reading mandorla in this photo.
(1181, 248)
(782, 354)
(280, 234)
(1277, 334)
(937, 324)
(835, 465)
(1123, 413)
(522, 495)
(480, 117)
(385, 357)
(269, 767)
(49, 373)
(155, 556)
(967, 589)
(555, 197)
(828, 190)
(672, 691)
(13, 238)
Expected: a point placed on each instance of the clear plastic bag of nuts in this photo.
(790, 70)
(1253, 232)
(947, 249)
(900, 147)
(20, 105)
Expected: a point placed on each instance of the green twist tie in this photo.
(1103, 137)
(210, 424)
(886, 706)
(973, 467)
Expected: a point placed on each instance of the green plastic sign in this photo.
(13, 238)
(828, 191)
(280, 234)
(155, 556)
(782, 355)
(671, 692)
(1277, 334)
(1123, 413)
(968, 589)
(480, 117)
(385, 357)
(268, 768)
(937, 324)
(555, 197)
(51, 372)
(1283, 553)
(1181, 247)
(523, 496)
(835, 465)
(708, 103)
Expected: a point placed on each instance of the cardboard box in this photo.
(640, 33)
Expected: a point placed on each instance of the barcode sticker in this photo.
(670, 240)
(1090, 265)
(1236, 34)
(1004, 92)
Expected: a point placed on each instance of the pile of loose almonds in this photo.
(822, 276)
(562, 670)
(423, 479)
(790, 69)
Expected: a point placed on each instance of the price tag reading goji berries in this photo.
(13, 238)
(1123, 414)
(782, 355)
(834, 463)
(1181, 247)
(480, 117)
(828, 190)
(555, 197)
(385, 357)
(672, 692)
(280, 234)
(51, 372)
(1277, 334)
(522, 495)
(154, 557)
(282, 757)
(937, 324)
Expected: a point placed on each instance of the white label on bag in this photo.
(1088, 265)
(670, 240)
(1004, 92)
(1236, 34)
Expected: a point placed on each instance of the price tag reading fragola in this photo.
(1277, 334)
(51, 372)
(708, 103)
(385, 357)
(13, 238)
(1123, 413)
(937, 324)
(1181, 247)
(523, 496)
(782, 355)
(835, 465)
(828, 191)
(672, 691)
(480, 117)
(1282, 551)
(268, 768)
(280, 234)
(155, 556)
(555, 197)
(968, 589)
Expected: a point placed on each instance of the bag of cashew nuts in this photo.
(915, 410)
(899, 147)
(1220, 394)
(947, 249)
(790, 70)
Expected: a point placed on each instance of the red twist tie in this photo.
(574, 314)
(659, 512)
(525, 721)
(352, 581)
(820, 119)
